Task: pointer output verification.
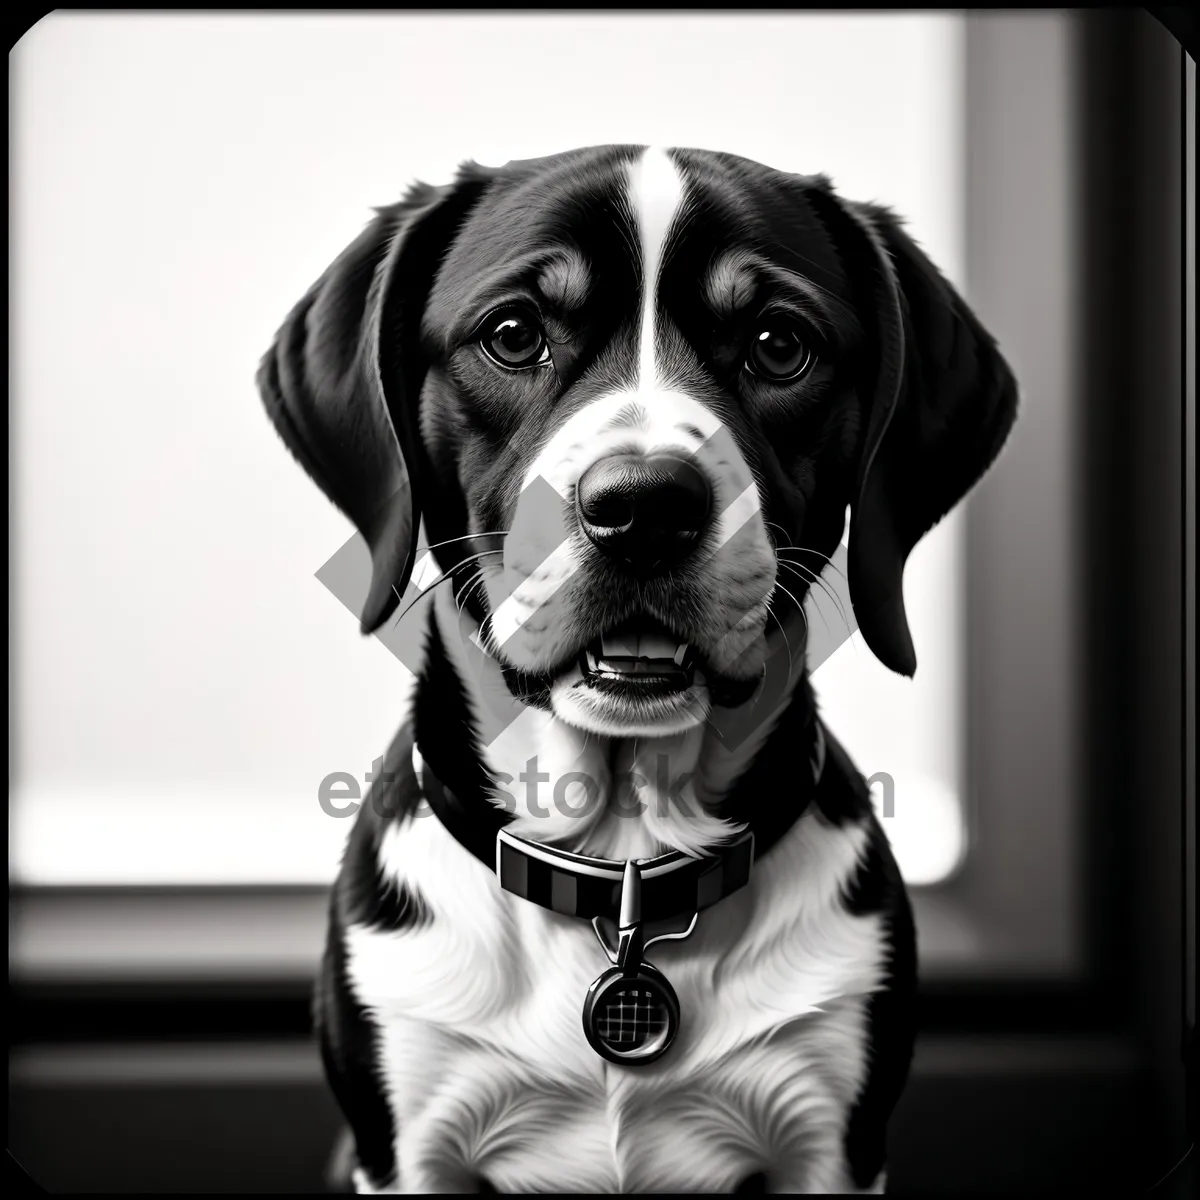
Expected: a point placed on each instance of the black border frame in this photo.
(1126, 100)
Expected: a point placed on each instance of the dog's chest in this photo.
(484, 1060)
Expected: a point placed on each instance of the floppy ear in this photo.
(342, 380)
(941, 403)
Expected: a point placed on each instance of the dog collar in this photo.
(631, 1012)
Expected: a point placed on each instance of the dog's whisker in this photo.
(466, 537)
(444, 578)
(812, 576)
(816, 581)
(800, 607)
(834, 598)
(800, 549)
(460, 604)
(475, 585)
(788, 646)
(829, 563)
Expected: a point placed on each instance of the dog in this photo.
(634, 394)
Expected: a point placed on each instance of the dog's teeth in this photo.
(619, 645)
(655, 645)
(611, 652)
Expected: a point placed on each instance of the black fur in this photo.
(942, 400)
(346, 1033)
(376, 384)
(891, 1016)
(349, 1044)
(446, 731)
(364, 896)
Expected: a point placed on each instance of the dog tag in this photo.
(631, 1013)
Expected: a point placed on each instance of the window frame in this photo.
(1080, 988)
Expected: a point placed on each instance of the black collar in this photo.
(578, 885)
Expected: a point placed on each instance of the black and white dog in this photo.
(632, 393)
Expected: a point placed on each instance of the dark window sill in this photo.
(141, 964)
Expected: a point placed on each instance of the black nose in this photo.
(646, 511)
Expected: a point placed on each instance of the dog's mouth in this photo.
(640, 678)
(639, 658)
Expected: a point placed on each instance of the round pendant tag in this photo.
(631, 1015)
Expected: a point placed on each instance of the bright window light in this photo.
(181, 682)
(905, 735)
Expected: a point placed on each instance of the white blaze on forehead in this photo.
(656, 195)
(647, 415)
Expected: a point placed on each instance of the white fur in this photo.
(488, 1073)
(656, 196)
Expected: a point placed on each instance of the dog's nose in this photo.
(648, 511)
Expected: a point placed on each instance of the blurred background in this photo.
(181, 683)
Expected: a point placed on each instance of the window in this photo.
(182, 682)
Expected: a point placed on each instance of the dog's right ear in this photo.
(941, 400)
(343, 378)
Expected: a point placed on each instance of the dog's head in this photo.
(659, 379)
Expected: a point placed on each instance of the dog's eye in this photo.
(778, 352)
(514, 340)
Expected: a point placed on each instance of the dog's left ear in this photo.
(342, 380)
(940, 402)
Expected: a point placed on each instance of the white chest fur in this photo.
(488, 1073)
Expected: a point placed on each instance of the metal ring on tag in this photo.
(631, 1015)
